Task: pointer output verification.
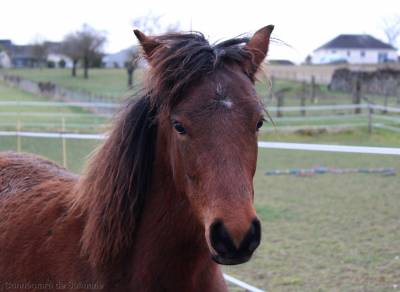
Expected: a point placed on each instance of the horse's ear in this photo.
(147, 43)
(258, 49)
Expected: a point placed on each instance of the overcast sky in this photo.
(302, 24)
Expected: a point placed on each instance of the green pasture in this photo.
(326, 232)
(112, 83)
(44, 118)
(103, 82)
(75, 119)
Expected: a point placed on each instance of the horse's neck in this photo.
(170, 248)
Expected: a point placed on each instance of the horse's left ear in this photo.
(258, 49)
(147, 43)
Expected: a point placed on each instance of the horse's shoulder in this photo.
(20, 172)
(29, 162)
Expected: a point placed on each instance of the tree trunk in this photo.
(74, 63)
(86, 68)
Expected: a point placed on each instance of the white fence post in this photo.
(64, 142)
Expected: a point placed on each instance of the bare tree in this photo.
(391, 28)
(39, 51)
(131, 63)
(149, 24)
(70, 47)
(90, 44)
(152, 25)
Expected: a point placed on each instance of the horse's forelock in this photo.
(182, 59)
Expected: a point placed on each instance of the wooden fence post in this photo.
(18, 126)
(398, 94)
(385, 102)
(357, 94)
(303, 98)
(279, 97)
(271, 93)
(280, 94)
(312, 89)
(64, 142)
(369, 118)
(398, 98)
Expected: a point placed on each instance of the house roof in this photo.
(355, 41)
(54, 47)
(23, 52)
(5, 44)
(280, 62)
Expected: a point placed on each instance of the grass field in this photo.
(320, 233)
(104, 82)
(113, 83)
(44, 118)
(77, 119)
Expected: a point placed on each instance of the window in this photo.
(362, 54)
(333, 51)
(348, 53)
(382, 57)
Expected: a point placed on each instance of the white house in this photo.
(355, 49)
(5, 60)
(56, 58)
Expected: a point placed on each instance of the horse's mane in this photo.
(117, 178)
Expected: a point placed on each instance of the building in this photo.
(57, 59)
(282, 62)
(5, 61)
(116, 60)
(355, 49)
(20, 56)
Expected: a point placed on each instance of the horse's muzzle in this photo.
(227, 253)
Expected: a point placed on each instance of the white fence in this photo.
(261, 144)
(22, 114)
(118, 105)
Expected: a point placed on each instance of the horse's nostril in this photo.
(223, 244)
(253, 237)
(220, 238)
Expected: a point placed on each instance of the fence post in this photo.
(18, 126)
(279, 97)
(64, 142)
(357, 94)
(385, 103)
(313, 89)
(271, 95)
(303, 98)
(369, 118)
(18, 136)
(398, 94)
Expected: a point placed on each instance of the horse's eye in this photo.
(260, 124)
(179, 127)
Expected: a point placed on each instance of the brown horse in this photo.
(166, 197)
